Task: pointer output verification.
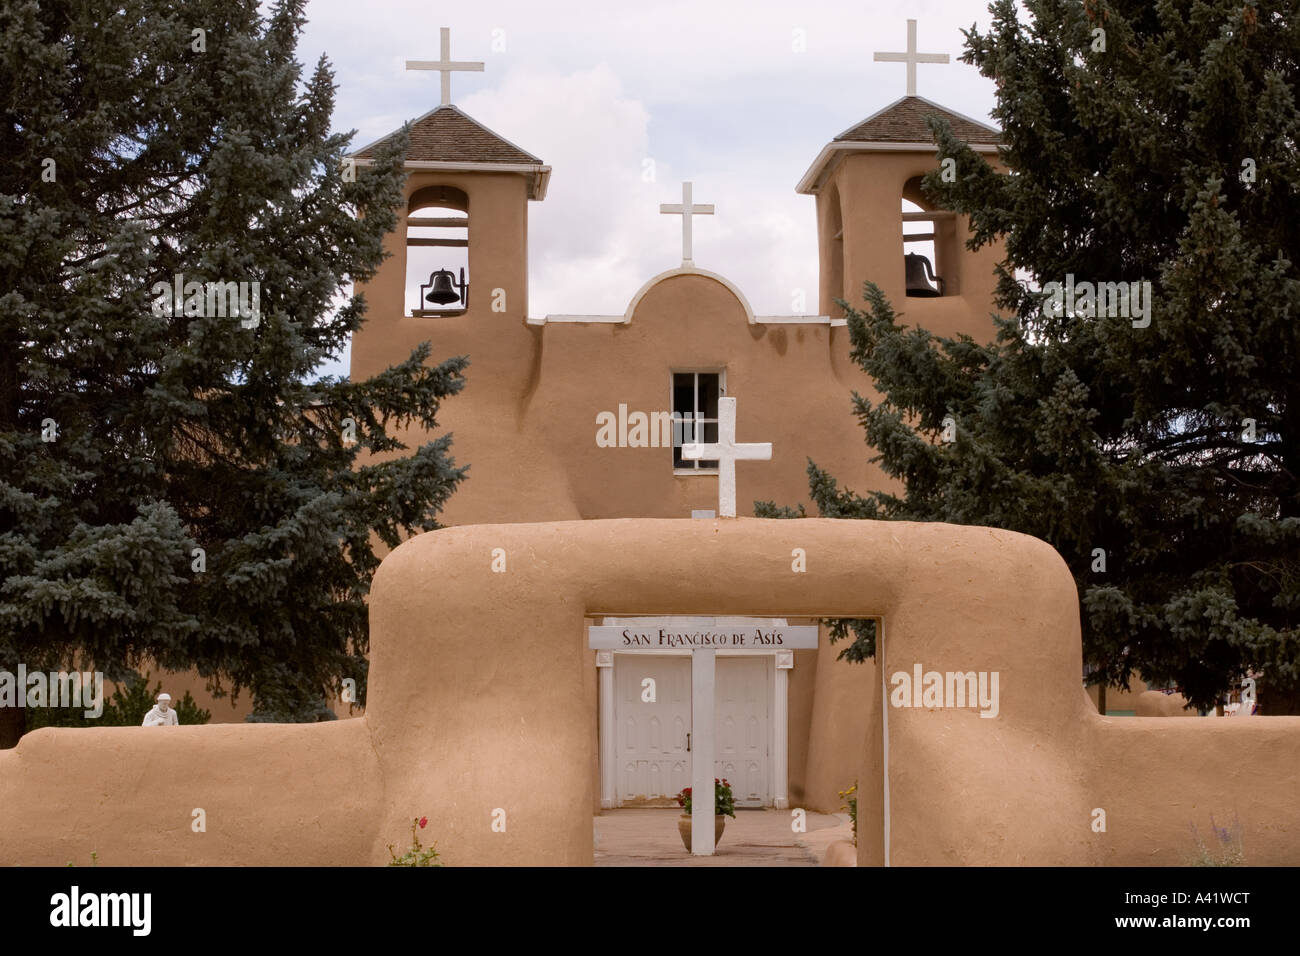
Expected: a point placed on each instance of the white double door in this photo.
(652, 748)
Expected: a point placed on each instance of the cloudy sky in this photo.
(737, 97)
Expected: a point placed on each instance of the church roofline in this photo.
(522, 162)
(750, 317)
(463, 114)
(833, 151)
(691, 270)
(938, 106)
(553, 319)
(541, 174)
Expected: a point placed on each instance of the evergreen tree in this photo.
(1148, 141)
(175, 484)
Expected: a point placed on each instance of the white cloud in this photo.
(599, 234)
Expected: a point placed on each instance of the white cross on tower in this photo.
(686, 209)
(911, 57)
(445, 65)
(727, 452)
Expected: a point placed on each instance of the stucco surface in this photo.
(272, 795)
(1154, 703)
(526, 419)
(481, 712)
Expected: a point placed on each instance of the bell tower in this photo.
(457, 270)
(874, 223)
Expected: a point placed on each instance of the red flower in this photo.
(423, 822)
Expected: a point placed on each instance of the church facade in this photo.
(580, 416)
(534, 656)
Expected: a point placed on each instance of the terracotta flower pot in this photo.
(684, 828)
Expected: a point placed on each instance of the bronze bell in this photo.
(920, 276)
(442, 293)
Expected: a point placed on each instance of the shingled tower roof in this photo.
(448, 137)
(897, 126)
(903, 121)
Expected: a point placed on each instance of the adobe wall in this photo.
(481, 710)
(1165, 776)
(870, 186)
(833, 738)
(1019, 788)
(526, 420)
(498, 258)
(1122, 700)
(273, 795)
(1154, 703)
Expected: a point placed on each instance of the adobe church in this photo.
(614, 460)
(568, 416)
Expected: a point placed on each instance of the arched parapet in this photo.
(689, 271)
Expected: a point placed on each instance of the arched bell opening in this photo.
(930, 258)
(834, 266)
(437, 252)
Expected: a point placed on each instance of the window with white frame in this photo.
(695, 415)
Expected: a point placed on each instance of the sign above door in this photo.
(668, 637)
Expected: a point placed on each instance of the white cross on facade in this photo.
(686, 209)
(911, 57)
(727, 452)
(445, 65)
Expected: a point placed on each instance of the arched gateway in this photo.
(483, 713)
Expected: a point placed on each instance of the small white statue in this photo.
(161, 714)
(1247, 707)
